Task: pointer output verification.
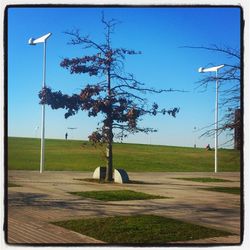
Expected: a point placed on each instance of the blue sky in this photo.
(158, 32)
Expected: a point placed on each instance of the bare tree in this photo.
(118, 97)
(230, 91)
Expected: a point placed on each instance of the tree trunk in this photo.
(109, 167)
(109, 151)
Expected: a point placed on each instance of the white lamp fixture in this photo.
(41, 39)
(33, 41)
(214, 69)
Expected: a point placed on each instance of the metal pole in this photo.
(43, 111)
(216, 126)
(194, 137)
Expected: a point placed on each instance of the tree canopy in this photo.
(119, 97)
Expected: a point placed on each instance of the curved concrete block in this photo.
(121, 176)
(99, 173)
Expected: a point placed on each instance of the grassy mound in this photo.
(24, 154)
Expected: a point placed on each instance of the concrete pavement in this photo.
(42, 198)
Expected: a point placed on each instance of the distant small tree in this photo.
(118, 97)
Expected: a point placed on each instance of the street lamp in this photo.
(33, 41)
(214, 69)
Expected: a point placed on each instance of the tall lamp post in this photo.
(214, 69)
(33, 41)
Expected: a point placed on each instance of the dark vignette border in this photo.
(5, 43)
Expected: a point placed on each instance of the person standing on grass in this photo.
(66, 136)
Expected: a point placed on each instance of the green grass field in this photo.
(208, 179)
(24, 154)
(117, 195)
(229, 190)
(140, 229)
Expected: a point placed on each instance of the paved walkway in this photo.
(42, 198)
